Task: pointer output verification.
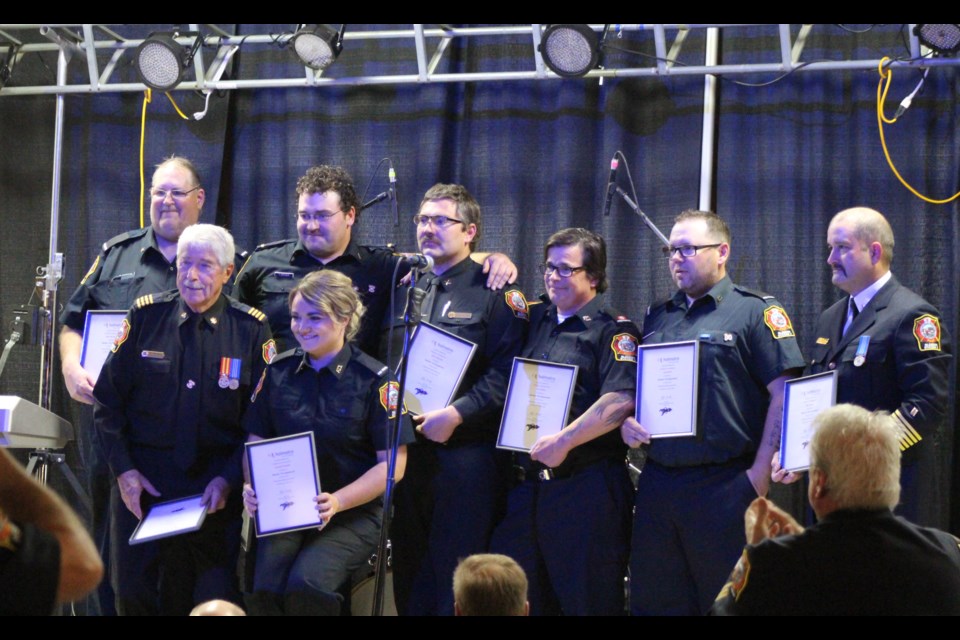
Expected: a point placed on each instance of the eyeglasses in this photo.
(441, 222)
(563, 271)
(687, 250)
(178, 194)
(317, 217)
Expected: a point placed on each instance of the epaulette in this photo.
(271, 245)
(253, 311)
(296, 351)
(372, 364)
(153, 298)
(123, 237)
(615, 315)
(753, 292)
(241, 255)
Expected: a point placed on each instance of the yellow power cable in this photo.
(147, 97)
(887, 74)
(170, 98)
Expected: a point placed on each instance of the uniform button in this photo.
(172, 268)
(832, 366)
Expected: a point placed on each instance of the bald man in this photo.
(889, 348)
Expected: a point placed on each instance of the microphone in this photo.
(392, 175)
(419, 261)
(611, 185)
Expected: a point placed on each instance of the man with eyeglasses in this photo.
(889, 350)
(691, 496)
(568, 516)
(129, 266)
(454, 488)
(327, 209)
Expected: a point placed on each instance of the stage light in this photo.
(942, 38)
(570, 50)
(160, 61)
(318, 45)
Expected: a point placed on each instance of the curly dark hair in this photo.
(325, 178)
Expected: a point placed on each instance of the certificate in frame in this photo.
(285, 476)
(538, 402)
(667, 381)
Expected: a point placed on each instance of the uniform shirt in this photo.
(129, 265)
(345, 404)
(603, 344)
(496, 321)
(177, 384)
(746, 342)
(906, 360)
(853, 562)
(273, 269)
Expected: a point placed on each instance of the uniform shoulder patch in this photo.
(269, 351)
(122, 336)
(738, 579)
(93, 267)
(624, 346)
(926, 329)
(518, 303)
(390, 397)
(778, 322)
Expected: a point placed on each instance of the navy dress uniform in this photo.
(852, 563)
(169, 403)
(346, 405)
(128, 266)
(274, 268)
(453, 493)
(691, 496)
(570, 529)
(895, 356)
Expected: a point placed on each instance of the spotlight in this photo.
(318, 45)
(160, 61)
(570, 50)
(942, 38)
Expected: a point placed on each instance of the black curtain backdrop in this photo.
(535, 154)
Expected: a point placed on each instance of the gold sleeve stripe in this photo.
(908, 435)
(256, 313)
(143, 301)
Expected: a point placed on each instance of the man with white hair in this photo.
(859, 559)
(168, 407)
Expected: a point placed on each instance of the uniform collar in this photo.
(352, 251)
(151, 237)
(337, 366)
(587, 313)
(454, 272)
(211, 316)
(864, 297)
(718, 293)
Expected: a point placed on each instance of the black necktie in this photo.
(851, 315)
(191, 392)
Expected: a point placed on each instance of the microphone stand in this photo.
(411, 317)
(647, 221)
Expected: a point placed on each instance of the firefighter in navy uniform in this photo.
(688, 513)
(892, 353)
(455, 487)
(169, 402)
(568, 518)
(345, 398)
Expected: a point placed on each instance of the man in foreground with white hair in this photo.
(859, 559)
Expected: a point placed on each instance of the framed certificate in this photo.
(285, 477)
(667, 376)
(436, 364)
(803, 399)
(100, 330)
(538, 402)
(170, 518)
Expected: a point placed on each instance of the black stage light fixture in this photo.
(570, 50)
(160, 60)
(942, 38)
(318, 45)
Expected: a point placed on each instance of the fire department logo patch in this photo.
(390, 397)
(517, 302)
(269, 351)
(122, 336)
(624, 347)
(778, 322)
(926, 329)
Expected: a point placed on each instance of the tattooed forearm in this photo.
(611, 409)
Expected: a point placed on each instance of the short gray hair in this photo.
(211, 237)
(859, 453)
(490, 584)
(868, 226)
